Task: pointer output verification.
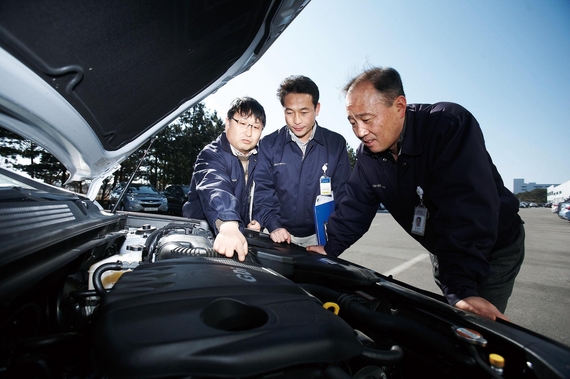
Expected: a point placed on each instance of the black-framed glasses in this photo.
(244, 125)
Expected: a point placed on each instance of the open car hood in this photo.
(92, 81)
(87, 293)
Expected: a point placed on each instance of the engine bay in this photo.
(148, 297)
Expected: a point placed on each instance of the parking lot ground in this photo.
(541, 297)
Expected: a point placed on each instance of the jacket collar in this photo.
(225, 143)
(411, 141)
(319, 135)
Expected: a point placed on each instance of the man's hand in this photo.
(280, 235)
(317, 249)
(230, 239)
(480, 306)
(254, 225)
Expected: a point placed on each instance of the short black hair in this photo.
(386, 80)
(298, 84)
(247, 106)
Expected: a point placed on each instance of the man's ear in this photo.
(317, 109)
(227, 124)
(401, 104)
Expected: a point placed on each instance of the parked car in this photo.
(532, 204)
(556, 207)
(138, 198)
(88, 293)
(176, 195)
(523, 204)
(564, 211)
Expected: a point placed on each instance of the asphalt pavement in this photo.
(541, 296)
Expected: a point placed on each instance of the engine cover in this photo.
(213, 317)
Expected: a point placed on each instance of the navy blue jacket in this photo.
(218, 189)
(286, 185)
(470, 211)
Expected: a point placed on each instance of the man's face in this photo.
(300, 114)
(378, 126)
(243, 132)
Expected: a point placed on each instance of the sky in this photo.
(506, 61)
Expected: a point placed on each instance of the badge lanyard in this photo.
(326, 189)
(420, 215)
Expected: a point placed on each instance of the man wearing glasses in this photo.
(292, 161)
(221, 185)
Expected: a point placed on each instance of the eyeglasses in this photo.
(244, 125)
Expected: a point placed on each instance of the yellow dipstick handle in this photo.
(332, 306)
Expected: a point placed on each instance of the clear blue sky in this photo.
(507, 61)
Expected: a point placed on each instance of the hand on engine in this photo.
(230, 240)
(317, 249)
(280, 235)
(480, 306)
(254, 225)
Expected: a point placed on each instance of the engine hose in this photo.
(98, 282)
(390, 357)
(80, 295)
(400, 329)
(197, 252)
(150, 244)
(175, 250)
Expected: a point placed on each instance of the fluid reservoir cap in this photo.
(135, 247)
(146, 229)
(496, 360)
(469, 335)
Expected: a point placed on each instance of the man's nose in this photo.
(297, 119)
(359, 130)
(248, 130)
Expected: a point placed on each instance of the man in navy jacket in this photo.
(428, 165)
(221, 185)
(291, 163)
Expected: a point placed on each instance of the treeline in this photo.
(535, 196)
(170, 159)
(173, 152)
(21, 154)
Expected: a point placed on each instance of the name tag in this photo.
(419, 223)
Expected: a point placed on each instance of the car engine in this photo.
(135, 295)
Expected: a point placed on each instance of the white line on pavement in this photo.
(406, 265)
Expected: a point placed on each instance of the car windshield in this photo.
(143, 189)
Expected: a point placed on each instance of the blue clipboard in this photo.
(324, 207)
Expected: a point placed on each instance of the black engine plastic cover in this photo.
(213, 317)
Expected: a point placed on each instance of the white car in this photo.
(564, 212)
(88, 293)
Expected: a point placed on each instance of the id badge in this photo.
(326, 186)
(325, 182)
(419, 223)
